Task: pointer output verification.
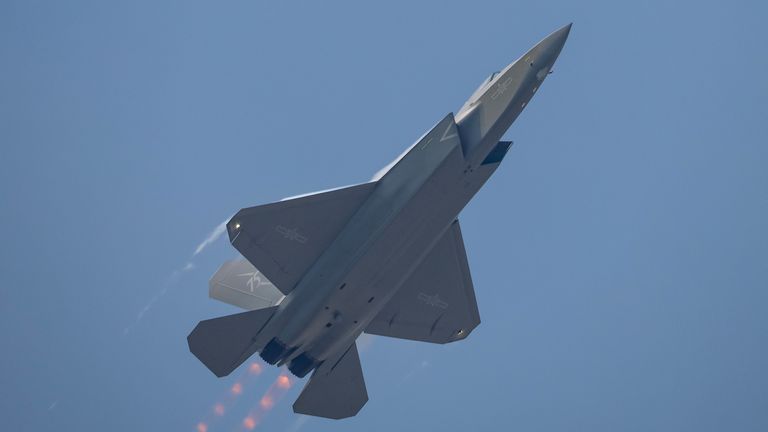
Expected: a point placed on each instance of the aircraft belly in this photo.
(398, 209)
(396, 253)
(372, 275)
(357, 258)
(398, 249)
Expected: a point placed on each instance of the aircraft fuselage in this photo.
(408, 211)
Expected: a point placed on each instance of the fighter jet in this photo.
(384, 257)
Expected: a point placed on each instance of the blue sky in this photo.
(619, 254)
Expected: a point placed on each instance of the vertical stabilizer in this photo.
(336, 389)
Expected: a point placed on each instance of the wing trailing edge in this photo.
(437, 303)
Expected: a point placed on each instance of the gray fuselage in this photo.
(410, 208)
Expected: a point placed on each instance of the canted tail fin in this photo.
(336, 389)
(224, 343)
(240, 284)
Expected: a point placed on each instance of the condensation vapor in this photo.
(173, 278)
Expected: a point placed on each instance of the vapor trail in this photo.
(423, 365)
(175, 275)
(212, 237)
(298, 423)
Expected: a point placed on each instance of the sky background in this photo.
(619, 254)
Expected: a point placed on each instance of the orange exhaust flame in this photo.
(225, 404)
(284, 382)
(268, 401)
(249, 423)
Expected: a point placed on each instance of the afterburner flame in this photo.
(223, 406)
(283, 382)
(249, 423)
(267, 402)
(255, 368)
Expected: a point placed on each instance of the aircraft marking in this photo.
(445, 134)
(501, 87)
(291, 234)
(255, 280)
(432, 300)
(429, 141)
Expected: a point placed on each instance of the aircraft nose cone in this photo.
(561, 35)
(563, 32)
(551, 46)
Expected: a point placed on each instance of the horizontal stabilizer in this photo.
(240, 284)
(224, 343)
(437, 302)
(285, 238)
(336, 389)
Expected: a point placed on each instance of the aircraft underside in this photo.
(385, 257)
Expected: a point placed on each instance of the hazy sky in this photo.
(619, 254)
